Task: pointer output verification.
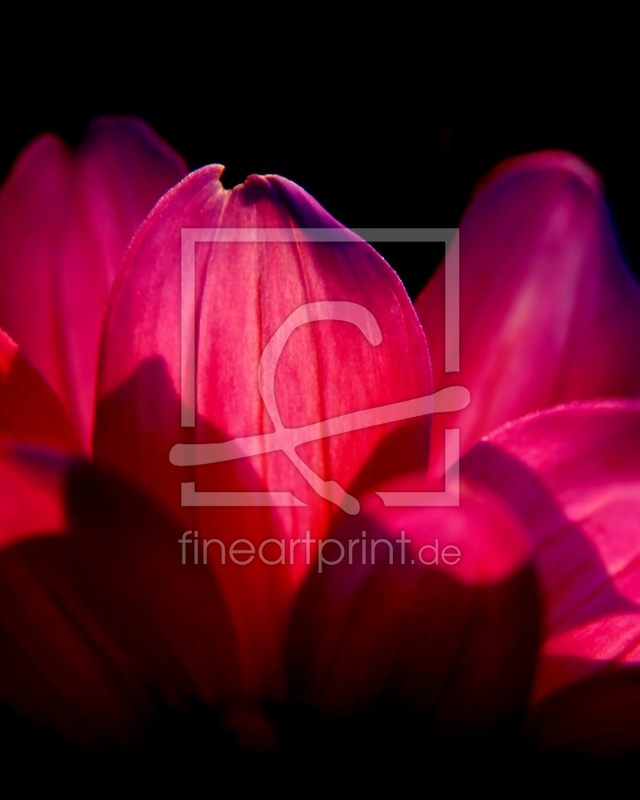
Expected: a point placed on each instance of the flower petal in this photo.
(572, 474)
(29, 410)
(365, 349)
(445, 623)
(101, 626)
(549, 312)
(65, 221)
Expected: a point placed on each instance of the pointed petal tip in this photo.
(209, 173)
(119, 129)
(46, 148)
(542, 160)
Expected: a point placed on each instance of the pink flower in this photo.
(66, 221)
(548, 307)
(527, 603)
(73, 661)
(244, 292)
(544, 610)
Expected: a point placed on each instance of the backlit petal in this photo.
(549, 312)
(371, 354)
(65, 221)
(572, 475)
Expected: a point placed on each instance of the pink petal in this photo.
(572, 474)
(455, 639)
(65, 221)
(29, 410)
(549, 312)
(244, 293)
(100, 624)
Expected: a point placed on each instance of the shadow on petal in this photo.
(101, 625)
(572, 476)
(444, 624)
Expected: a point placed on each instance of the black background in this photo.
(378, 128)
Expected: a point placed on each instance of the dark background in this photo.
(381, 136)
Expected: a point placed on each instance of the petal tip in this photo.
(543, 160)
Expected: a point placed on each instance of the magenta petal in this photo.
(101, 626)
(572, 474)
(29, 409)
(549, 312)
(244, 292)
(449, 629)
(65, 221)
